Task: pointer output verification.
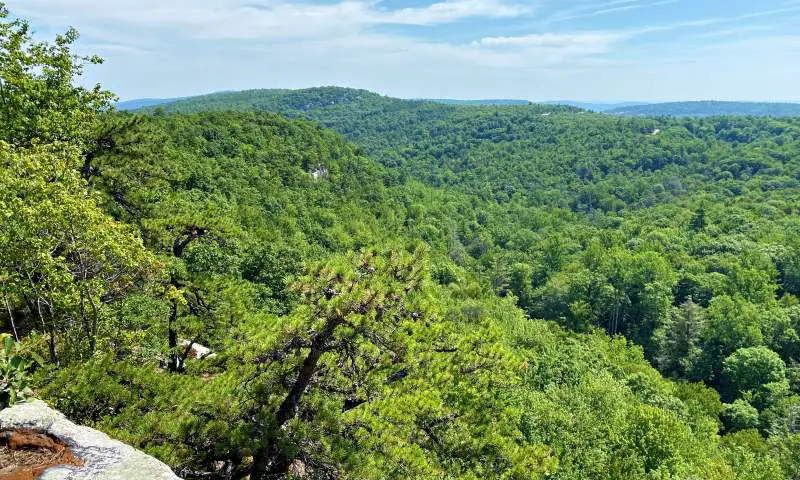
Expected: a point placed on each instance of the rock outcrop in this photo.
(103, 458)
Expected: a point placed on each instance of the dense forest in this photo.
(480, 102)
(260, 99)
(399, 289)
(710, 109)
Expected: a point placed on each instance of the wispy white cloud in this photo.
(623, 8)
(179, 47)
(585, 44)
(229, 19)
(576, 12)
(737, 32)
(552, 40)
(705, 22)
(115, 48)
(613, 6)
(588, 42)
(551, 50)
(453, 10)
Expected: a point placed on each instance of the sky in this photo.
(589, 50)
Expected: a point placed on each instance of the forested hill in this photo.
(709, 109)
(330, 98)
(538, 154)
(236, 203)
(282, 100)
(142, 103)
(312, 99)
(678, 233)
(592, 106)
(425, 291)
(479, 102)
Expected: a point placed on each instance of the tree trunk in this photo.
(173, 365)
(51, 344)
(266, 459)
(10, 315)
(95, 315)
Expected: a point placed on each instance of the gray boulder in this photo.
(103, 457)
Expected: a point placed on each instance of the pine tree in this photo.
(699, 219)
(678, 341)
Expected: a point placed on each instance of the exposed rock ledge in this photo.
(103, 457)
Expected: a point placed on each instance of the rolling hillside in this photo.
(333, 284)
(142, 103)
(710, 108)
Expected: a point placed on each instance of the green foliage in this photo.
(39, 99)
(344, 344)
(587, 219)
(63, 261)
(682, 240)
(754, 370)
(415, 392)
(606, 413)
(709, 108)
(678, 341)
(188, 421)
(740, 415)
(15, 365)
(752, 457)
(785, 448)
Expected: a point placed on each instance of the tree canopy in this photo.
(399, 289)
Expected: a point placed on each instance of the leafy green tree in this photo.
(64, 262)
(753, 369)
(367, 341)
(751, 457)
(740, 415)
(785, 448)
(732, 324)
(39, 99)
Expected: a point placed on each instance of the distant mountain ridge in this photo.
(304, 100)
(709, 109)
(138, 103)
(301, 102)
(593, 106)
(277, 100)
(484, 102)
(238, 100)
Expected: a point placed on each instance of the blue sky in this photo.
(598, 50)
